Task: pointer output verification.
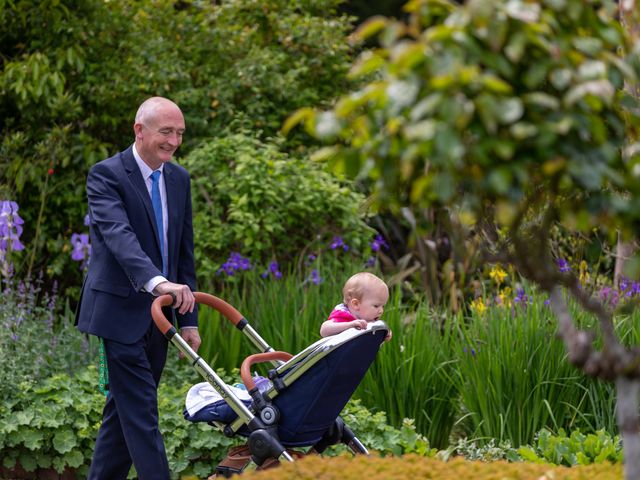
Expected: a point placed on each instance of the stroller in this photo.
(300, 404)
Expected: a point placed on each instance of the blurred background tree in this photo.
(509, 118)
(73, 74)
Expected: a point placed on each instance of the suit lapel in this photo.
(135, 177)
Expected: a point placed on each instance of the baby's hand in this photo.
(388, 337)
(359, 324)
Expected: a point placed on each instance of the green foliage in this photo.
(502, 111)
(73, 74)
(496, 99)
(576, 449)
(265, 59)
(36, 342)
(53, 424)
(533, 378)
(250, 197)
(374, 432)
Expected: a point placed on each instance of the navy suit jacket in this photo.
(126, 250)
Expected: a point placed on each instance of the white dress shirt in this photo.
(146, 175)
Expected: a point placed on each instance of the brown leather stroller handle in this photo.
(233, 315)
(160, 320)
(245, 368)
(214, 302)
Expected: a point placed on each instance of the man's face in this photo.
(160, 135)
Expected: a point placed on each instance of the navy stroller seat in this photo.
(310, 405)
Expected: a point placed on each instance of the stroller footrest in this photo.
(235, 462)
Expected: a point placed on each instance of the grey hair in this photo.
(147, 109)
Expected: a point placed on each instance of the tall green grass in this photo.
(513, 376)
(500, 375)
(414, 374)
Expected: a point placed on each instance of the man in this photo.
(142, 246)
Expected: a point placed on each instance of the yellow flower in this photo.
(498, 274)
(478, 306)
(584, 273)
(504, 297)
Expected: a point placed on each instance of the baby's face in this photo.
(371, 307)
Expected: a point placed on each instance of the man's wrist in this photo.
(151, 285)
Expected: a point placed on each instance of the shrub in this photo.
(250, 197)
(51, 424)
(414, 466)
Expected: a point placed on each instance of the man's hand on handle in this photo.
(192, 337)
(185, 301)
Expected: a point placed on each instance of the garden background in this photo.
(475, 367)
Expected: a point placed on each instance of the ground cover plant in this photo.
(53, 424)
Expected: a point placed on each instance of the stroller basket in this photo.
(301, 405)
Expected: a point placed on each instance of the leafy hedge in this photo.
(411, 467)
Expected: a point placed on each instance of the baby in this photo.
(365, 296)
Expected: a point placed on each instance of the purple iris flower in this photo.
(81, 249)
(379, 243)
(338, 242)
(610, 296)
(315, 277)
(521, 297)
(10, 228)
(87, 220)
(624, 283)
(234, 263)
(563, 265)
(273, 269)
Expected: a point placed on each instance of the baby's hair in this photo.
(357, 284)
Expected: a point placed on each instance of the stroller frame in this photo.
(262, 423)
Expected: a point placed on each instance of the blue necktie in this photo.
(157, 210)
